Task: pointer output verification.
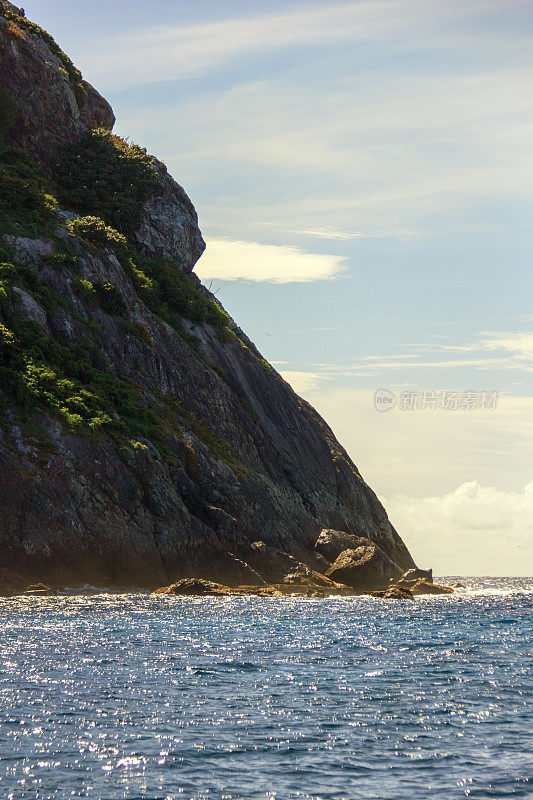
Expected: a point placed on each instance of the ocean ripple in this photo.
(137, 696)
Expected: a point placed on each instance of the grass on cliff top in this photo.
(105, 176)
(74, 75)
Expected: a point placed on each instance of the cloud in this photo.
(473, 530)
(429, 452)
(491, 351)
(451, 481)
(302, 382)
(520, 344)
(337, 143)
(327, 232)
(230, 260)
(368, 147)
(176, 51)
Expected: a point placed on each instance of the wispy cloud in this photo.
(169, 52)
(496, 351)
(452, 482)
(394, 168)
(518, 345)
(233, 260)
(328, 232)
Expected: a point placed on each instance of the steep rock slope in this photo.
(144, 438)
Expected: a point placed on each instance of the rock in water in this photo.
(416, 574)
(156, 443)
(394, 593)
(40, 590)
(424, 587)
(195, 586)
(366, 567)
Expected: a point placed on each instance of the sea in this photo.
(137, 696)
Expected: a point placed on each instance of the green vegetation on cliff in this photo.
(107, 180)
(106, 176)
(171, 295)
(27, 206)
(73, 381)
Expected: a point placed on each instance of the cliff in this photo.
(143, 437)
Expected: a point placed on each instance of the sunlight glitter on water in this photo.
(125, 696)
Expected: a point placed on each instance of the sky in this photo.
(362, 176)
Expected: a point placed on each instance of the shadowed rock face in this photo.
(245, 459)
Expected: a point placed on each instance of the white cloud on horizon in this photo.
(451, 482)
(473, 530)
(233, 260)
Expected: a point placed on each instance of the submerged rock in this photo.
(195, 586)
(321, 587)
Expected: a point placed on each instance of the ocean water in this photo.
(134, 696)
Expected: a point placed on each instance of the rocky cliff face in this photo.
(54, 104)
(144, 438)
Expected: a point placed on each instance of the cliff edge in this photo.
(143, 437)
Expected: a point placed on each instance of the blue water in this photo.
(134, 696)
